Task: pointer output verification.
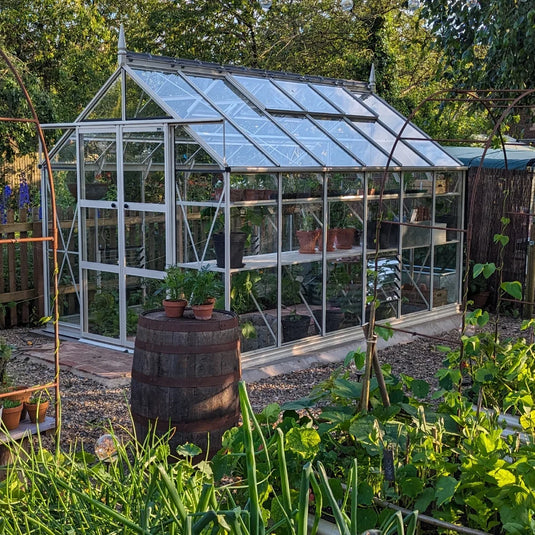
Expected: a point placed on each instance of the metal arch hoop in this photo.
(53, 239)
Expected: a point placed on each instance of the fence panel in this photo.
(21, 276)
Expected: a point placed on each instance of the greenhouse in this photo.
(195, 164)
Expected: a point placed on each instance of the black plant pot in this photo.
(333, 319)
(294, 327)
(237, 243)
(388, 235)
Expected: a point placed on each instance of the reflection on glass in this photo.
(99, 167)
(141, 295)
(145, 239)
(384, 275)
(344, 294)
(101, 235)
(267, 93)
(254, 298)
(296, 320)
(345, 100)
(416, 287)
(309, 99)
(144, 171)
(103, 303)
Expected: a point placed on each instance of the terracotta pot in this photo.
(174, 309)
(307, 240)
(19, 396)
(345, 238)
(236, 195)
(331, 237)
(11, 417)
(480, 299)
(37, 411)
(203, 312)
(252, 195)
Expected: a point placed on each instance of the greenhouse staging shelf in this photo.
(27, 429)
(287, 258)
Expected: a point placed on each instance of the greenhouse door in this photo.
(122, 228)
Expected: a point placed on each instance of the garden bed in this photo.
(88, 405)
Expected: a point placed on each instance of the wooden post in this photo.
(377, 370)
(371, 340)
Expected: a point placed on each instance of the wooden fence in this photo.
(21, 269)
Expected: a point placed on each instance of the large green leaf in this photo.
(512, 288)
(411, 486)
(445, 489)
(503, 477)
(420, 388)
(347, 389)
(303, 441)
(425, 499)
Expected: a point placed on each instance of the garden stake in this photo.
(378, 371)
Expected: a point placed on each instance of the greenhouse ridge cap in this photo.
(148, 60)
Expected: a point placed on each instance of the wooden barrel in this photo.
(185, 375)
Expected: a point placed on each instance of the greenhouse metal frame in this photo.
(171, 152)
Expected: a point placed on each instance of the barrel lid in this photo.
(221, 320)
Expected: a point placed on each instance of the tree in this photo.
(486, 43)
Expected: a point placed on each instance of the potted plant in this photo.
(343, 221)
(37, 406)
(237, 244)
(173, 284)
(202, 287)
(11, 413)
(295, 326)
(308, 235)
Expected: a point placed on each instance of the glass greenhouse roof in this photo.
(278, 120)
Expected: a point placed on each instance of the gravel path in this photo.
(88, 407)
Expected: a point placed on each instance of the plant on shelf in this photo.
(173, 285)
(37, 406)
(308, 234)
(202, 287)
(11, 413)
(345, 224)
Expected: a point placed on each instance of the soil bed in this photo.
(89, 407)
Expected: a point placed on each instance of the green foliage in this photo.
(481, 41)
(5, 355)
(173, 283)
(202, 284)
(11, 403)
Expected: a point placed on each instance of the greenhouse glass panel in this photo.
(139, 105)
(67, 151)
(231, 144)
(178, 95)
(346, 101)
(307, 97)
(390, 117)
(403, 154)
(352, 140)
(267, 93)
(188, 151)
(432, 152)
(317, 142)
(109, 106)
(260, 128)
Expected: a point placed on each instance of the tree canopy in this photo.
(487, 43)
(68, 47)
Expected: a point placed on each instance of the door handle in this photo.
(113, 205)
(126, 205)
